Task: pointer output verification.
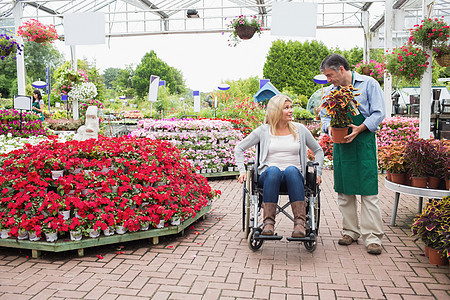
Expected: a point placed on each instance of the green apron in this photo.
(355, 163)
(40, 114)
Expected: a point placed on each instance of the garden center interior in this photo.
(124, 185)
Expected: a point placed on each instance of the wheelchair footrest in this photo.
(259, 236)
(310, 238)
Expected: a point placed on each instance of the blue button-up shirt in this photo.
(371, 102)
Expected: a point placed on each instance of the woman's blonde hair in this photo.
(274, 112)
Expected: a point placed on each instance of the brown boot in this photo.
(298, 209)
(269, 211)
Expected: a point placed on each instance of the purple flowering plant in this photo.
(9, 46)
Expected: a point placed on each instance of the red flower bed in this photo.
(106, 183)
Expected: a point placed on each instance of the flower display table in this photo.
(414, 191)
(133, 185)
(67, 244)
(207, 144)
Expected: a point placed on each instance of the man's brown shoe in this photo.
(346, 240)
(374, 249)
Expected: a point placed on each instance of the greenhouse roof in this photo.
(150, 17)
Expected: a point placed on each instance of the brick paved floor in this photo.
(213, 261)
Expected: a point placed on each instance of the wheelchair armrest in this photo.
(249, 164)
(312, 163)
(311, 177)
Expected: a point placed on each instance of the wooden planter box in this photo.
(67, 244)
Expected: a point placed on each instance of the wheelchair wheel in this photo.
(252, 243)
(312, 245)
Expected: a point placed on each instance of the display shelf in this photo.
(62, 245)
(414, 191)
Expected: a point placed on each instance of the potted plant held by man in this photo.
(340, 105)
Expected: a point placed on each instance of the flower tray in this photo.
(221, 174)
(66, 244)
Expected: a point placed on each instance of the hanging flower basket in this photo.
(372, 68)
(407, 62)
(245, 32)
(443, 60)
(8, 46)
(35, 31)
(430, 32)
(243, 29)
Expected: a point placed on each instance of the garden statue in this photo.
(91, 127)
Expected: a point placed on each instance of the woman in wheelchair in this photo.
(282, 162)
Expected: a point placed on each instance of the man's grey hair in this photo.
(334, 62)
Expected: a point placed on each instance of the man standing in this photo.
(355, 162)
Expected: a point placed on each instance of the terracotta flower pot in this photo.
(420, 182)
(433, 182)
(408, 178)
(39, 40)
(338, 134)
(427, 251)
(388, 175)
(366, 71)
(398, 178)
(437, 258)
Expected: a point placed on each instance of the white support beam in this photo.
(366, 28)
(425, 84)
(76, 115)
(20, 63)
(388, 27)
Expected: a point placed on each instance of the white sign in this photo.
(84, 28)
(57, 104)
(22, 102)
(196, 101)
(294, 19)
(153, 88)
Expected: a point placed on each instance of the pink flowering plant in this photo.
(241, 21)
(33, 30)
(90, 102)
(431, 32)
(372, 68)
(407, 62)
(397, 129)
(66, 79)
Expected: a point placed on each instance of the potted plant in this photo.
(392, 159)
(430, 33)
(432, 227)
(9, 46)
(337, 104)
(439, 162)
(243, 28)
(52, 225)
(407, 62)
(373, 69)
(416, 158)
(442, 55)
(35, 31)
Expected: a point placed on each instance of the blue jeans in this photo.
(272, 180)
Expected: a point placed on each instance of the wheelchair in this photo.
(252, 208)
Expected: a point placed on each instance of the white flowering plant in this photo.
(83, 91)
